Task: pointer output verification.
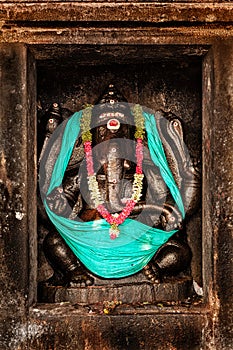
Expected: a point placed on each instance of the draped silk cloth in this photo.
(90, 241)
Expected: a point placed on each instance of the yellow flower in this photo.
(139, 122)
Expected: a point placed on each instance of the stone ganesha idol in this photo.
(117, 184)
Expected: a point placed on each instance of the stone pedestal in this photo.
(128, 293)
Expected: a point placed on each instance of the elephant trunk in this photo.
(114, 174)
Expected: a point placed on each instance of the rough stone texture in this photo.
(76, 329)
(17, 108)
(113, 11)
(107, 57)
(42, 33)
(222, 104)
(129, 1)
(61, 326)
(218, 187)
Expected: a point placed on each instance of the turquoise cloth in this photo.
(90, 241)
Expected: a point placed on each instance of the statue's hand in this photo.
(58, 203)
(171, 221)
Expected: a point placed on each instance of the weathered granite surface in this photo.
(32, 32)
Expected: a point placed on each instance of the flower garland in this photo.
(113, 219)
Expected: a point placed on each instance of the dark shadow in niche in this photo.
(172, 86)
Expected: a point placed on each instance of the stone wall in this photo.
(38, 38)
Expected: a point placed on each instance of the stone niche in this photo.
(185, 70)
(162, 79)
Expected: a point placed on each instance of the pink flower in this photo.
(87, 146)
(138, 170)
(129, 204)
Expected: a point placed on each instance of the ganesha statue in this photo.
(117, 185)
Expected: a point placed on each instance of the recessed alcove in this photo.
(194, 82)
(167, 78)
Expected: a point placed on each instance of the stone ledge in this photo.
(156, 13)
(55, 35)
(64, 327)
(119, 1)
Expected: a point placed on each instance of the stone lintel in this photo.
(92, 33)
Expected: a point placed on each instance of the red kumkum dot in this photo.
(113, 122)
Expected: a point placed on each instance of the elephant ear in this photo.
(52, 119)
(186, 176)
